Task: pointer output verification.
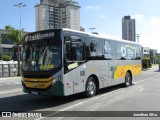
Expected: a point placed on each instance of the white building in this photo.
(128, 29)
(57, 14)
(146, 52)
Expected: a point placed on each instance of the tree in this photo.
(158, 58)
(16, 36)
(13, 34)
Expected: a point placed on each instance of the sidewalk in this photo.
(5, 78)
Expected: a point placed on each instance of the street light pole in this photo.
(92, 29)
(20, 5)
(138, 35)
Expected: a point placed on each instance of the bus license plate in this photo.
(34, 92)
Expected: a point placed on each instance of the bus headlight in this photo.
(55, 80)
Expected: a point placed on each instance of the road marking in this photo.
(10, 91)
(90, 99)
(96, 97)
(146, 79)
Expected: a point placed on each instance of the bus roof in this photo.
(104, 36)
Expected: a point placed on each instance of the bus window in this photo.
(121, 51)
(78, 52)
(75, 55)
(109, 50)
(75, 51)
(138, 52)
(68, 51)
(96, 48)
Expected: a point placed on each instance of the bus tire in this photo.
(128, 80)
(91, 87)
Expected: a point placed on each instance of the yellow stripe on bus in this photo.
(121, 71)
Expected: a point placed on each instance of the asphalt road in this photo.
(142, 96)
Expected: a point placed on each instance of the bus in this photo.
(62, 62)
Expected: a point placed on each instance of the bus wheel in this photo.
(91, 87)
(128, 79)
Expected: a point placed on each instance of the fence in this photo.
(8, 69)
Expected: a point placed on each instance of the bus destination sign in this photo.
(38, 36)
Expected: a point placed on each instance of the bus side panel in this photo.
(134, 66)
(119, 68)
(75, 80)
(68, 89)
(115, 72)
(109, 72)
(101, 70)
(137, 69)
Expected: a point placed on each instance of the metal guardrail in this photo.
(8, 69)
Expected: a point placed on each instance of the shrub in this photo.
(6, 57)
(146, 63)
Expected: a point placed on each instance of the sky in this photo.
(105, 15)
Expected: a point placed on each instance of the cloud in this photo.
(103, 16)
(138, 17)
(151, 39)
(155, 21)
(89, 7)
(98, 7)
(93, 7)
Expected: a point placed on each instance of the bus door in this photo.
(75, 66)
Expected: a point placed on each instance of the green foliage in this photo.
(146, 63)
(158, 62)
(6, 57)
(158, 58)
(145, 58)
(14, 35)
(153, 59)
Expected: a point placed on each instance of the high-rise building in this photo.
(128, 29)
(57, 14)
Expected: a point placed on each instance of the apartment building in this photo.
(128, 29)
(57, 14)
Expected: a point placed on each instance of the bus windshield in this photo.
(41, 55)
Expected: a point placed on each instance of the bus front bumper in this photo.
(56, 89)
